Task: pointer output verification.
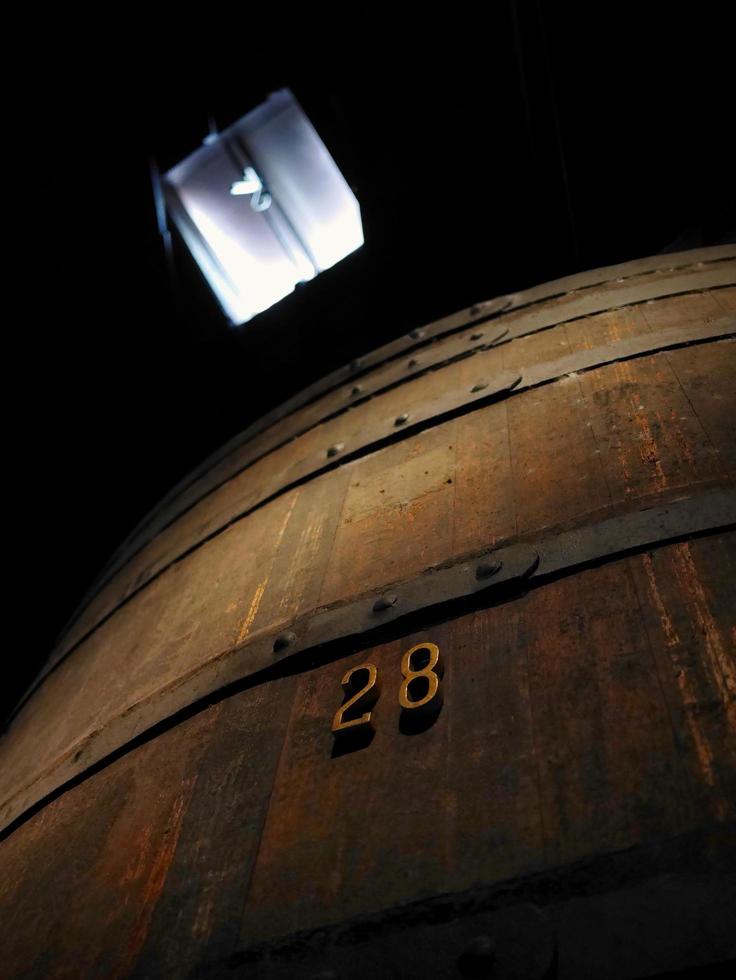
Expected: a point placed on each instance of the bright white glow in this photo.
(253, 285)
(330, 243)
(250, 183)
(254, 245)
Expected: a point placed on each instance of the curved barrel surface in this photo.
(540, 489)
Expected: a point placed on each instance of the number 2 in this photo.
(368, 694)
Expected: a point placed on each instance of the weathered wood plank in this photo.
(608, 328)
(607, 763)
(692, 259)
(680, 310)
(687, 606)
(361, 427)
(556, 741)
(648, 435)
(411, 814)
(397, 516)
(296, 576)
(484, 505)
(202, 604)
(627, 270)
(196, 918)
(492, 784)
(366, 423)
(726, 298)
(662, 282)
(708, 378)
(567, 731)
(522, 352)
(616, 294)
(151, 642)
(590, 715)
(81, 879)
(555, 456)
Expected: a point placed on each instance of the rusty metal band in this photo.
(431, 359)
(590, 279)
(476, 313)
(486, 576)
(512, 302)
(422, 336)
(448, 405)
(575, 914)
(584, 306)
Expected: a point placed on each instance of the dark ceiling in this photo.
(488, 153)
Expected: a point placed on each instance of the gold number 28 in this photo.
(420, 691)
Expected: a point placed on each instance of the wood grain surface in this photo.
(367, 423)
(585, 714)
(593, 714)
(617, 436)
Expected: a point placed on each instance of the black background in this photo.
(489, 152)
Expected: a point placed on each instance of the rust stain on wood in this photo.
(154, 883)
(718, 663)
(706, 375)
(649, 450)
(697, 663)
(668, 627)
(261, 587)
(253, 610)
(605, 328)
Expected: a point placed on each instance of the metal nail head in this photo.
(283, 641)
(478, 957)
(487, 567)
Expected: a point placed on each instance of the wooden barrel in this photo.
(430, 673)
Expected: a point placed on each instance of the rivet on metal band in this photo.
(487, 568)
(283, 641)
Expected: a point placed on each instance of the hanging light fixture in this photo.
(262, 206)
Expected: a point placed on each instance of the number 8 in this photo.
(432, 671)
